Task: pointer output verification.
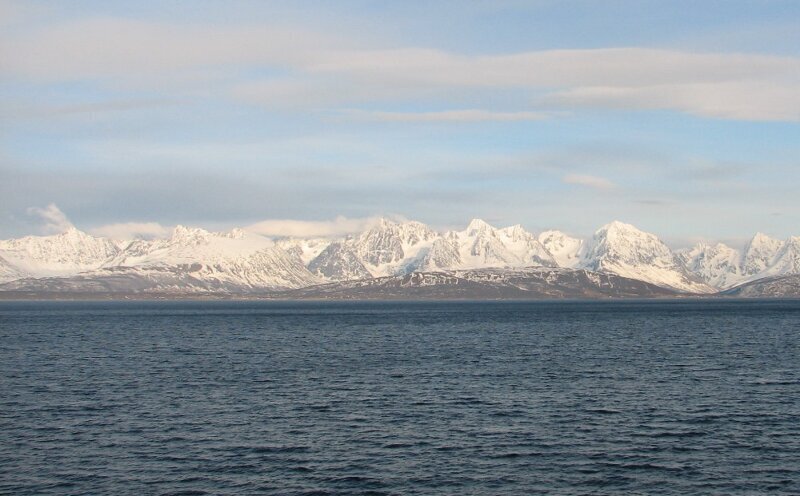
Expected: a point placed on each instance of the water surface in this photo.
(670, 397)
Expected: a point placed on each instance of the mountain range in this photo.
(397, 259)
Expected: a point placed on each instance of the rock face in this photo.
(622, 249)
(195, 260)
(338, 262)
(770, 287)
(532, 283)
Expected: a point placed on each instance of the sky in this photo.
(127, 118)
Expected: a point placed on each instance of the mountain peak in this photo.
(478, 225)
(73, 232)
(184, 233)
(516, 229)
(619, 226)
(385, 222)
(760, 239)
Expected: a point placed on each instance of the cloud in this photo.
(313, 69)
(468, 115)
(15, 12)
(131, 230)
(754, 101)
(302, 228)
(589, 181)
(716, 85)
(54, 220)
(16, 111)
(108, 48)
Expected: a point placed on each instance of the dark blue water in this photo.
(400, 398)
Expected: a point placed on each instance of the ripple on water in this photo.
(400, 398)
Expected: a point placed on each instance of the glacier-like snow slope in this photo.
(564, 249)
(233, 258)
(9, 272)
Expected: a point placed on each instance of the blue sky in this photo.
(682, 118)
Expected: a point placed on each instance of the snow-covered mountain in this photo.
(724, 267)
(759, 254)
(621, 249)
(67, 253)
(564, 249)
(387, 248)
(786, 261)
(8, 272)
(305, 250)
(196, 260)
(482, 246)
(234, 259)
(717, 265)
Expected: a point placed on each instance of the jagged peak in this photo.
(723, 247)
(73, 232)
(701, 246)
(793, 241)
(516, 228)
(760, 239)
(478, 225)
(619, 226)
(385, 222)
(181, 231)
(517, 232)
(236, 233)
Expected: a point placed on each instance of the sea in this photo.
(378, 398)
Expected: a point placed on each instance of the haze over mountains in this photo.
(618, 260)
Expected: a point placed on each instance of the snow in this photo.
(759, 254)
(62, 254)
(239, 258)
(724, 267)
(718, 265)
(482, 246)
(624, 250)
(565, 249)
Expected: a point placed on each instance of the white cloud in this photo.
(302, 228)
(53, 219)
(756, 101)
(101, 48)
(589, 181)
(718, 85)
(318, 69)
(15, 12)
(467, 115)
(131, 230)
